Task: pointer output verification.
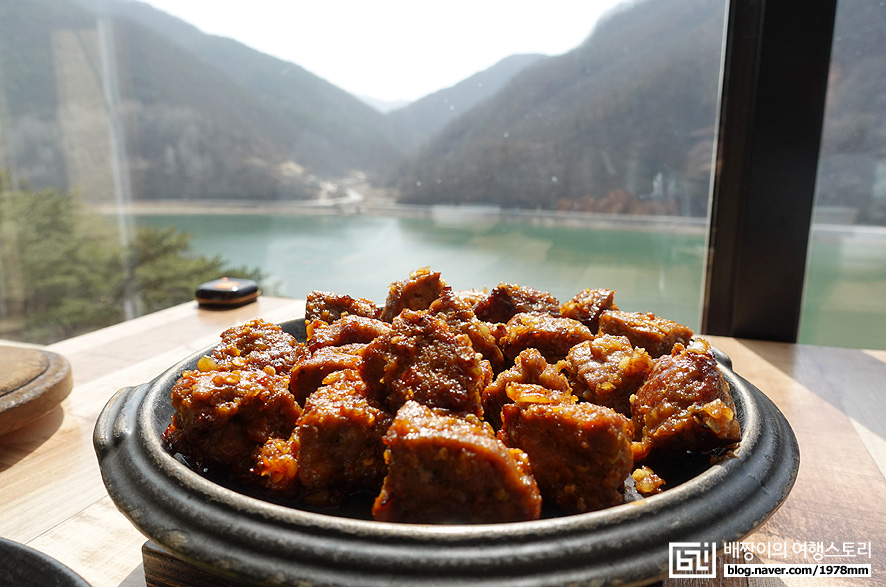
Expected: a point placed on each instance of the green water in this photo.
(660, 272)
(845, 301)
(362, 255)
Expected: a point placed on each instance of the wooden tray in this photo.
(163, 569)
(32, 382)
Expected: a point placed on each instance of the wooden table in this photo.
(52, 497)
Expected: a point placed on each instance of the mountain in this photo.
(183, 115)
(609, 126)
(30, 136)
(852, 160)
(330, 130)
(623, 123)
(192, 132)
(626, 122)
(424, 117)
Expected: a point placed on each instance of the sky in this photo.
(394, 50)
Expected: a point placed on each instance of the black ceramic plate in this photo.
(23, 566)
(264, 543)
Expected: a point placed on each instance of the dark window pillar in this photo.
(776, 63)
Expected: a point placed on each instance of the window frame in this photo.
(776, 62)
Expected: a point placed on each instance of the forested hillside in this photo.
(91, 97)
(321, 126)
(625, 123)
(114, 97)
(852, 167)
(592, 129)
(421, 119)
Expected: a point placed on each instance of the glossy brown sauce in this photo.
(455, 407)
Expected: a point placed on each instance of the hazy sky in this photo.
(394, 49)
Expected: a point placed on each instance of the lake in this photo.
(649, 269)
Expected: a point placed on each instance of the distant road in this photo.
(353, 204)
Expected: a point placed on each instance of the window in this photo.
(845, 298)
(141, 156)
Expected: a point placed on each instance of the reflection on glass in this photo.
(159, 157)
